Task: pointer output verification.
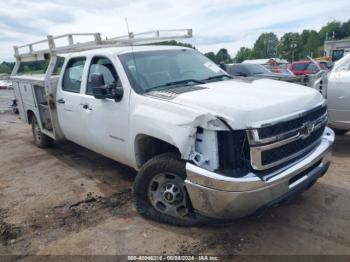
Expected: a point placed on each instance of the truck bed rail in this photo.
(42, 49)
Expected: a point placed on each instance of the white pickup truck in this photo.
(205, 145)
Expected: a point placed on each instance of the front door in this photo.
(338, 95)
(106, 121)
(69, 100)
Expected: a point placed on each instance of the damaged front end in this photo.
(223, 180)
(218, 148)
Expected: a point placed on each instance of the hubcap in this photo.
(168, 195)
(171, 193)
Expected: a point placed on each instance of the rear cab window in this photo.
(73, 75)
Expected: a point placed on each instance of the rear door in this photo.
(338, 95)
(69, 100)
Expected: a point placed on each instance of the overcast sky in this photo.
(215, 23)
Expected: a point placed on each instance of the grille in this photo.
(276, 154)
(283, 127)
(286, 141)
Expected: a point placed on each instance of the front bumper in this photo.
(217, 196)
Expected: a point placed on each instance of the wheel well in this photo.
(147, 147)
(30, 115)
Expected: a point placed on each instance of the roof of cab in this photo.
(125, 49)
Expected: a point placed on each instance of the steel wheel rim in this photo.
(167, 194)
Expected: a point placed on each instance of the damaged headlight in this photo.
(217, 124)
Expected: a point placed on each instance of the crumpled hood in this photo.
(245, 103)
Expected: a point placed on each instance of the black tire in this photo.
(340, 131)
(40, 139)
(165, 163)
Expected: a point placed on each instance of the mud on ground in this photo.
(68, 200)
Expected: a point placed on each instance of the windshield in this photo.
(149, 70)
(256, 69)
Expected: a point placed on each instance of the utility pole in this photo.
(293, 45)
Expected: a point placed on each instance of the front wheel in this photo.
(40, 139)
(160, 191)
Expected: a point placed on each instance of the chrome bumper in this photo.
(218, 196)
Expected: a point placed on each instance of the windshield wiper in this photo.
(174, 83)
(217, 77)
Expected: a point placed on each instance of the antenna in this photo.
(127, 25)
(132, 48)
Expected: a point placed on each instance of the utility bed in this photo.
(34, 97)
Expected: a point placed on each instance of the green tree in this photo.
(243, 53)
(265, 46)
(290, 46)
(173, 42)
(327, 31)
(26, 69)
(211, 56)
(345, 29)
(310, 44)
(4, 68)
(223, 56)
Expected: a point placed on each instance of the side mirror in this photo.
(97, 80)
(117, 93)
(101, 91)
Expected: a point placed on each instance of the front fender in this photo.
(172, 123)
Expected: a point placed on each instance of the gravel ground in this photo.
(6, 96)
(67, 200)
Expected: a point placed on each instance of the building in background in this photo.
(336, 49)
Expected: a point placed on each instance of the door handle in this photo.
(61, 101)
(86, 106)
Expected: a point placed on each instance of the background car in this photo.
(304, 67)
(258, 71)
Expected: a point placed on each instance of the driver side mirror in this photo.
(102, 91)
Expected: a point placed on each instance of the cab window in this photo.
(73, 75)
(103, 66)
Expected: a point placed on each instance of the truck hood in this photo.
(244, 103)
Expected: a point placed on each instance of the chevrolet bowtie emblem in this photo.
(306, 130)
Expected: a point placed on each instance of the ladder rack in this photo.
(51, 48)
(44, 89)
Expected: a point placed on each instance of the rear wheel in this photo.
(160, 191)
(340, 131)
(41, 140)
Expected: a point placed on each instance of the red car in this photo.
(305, 67)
